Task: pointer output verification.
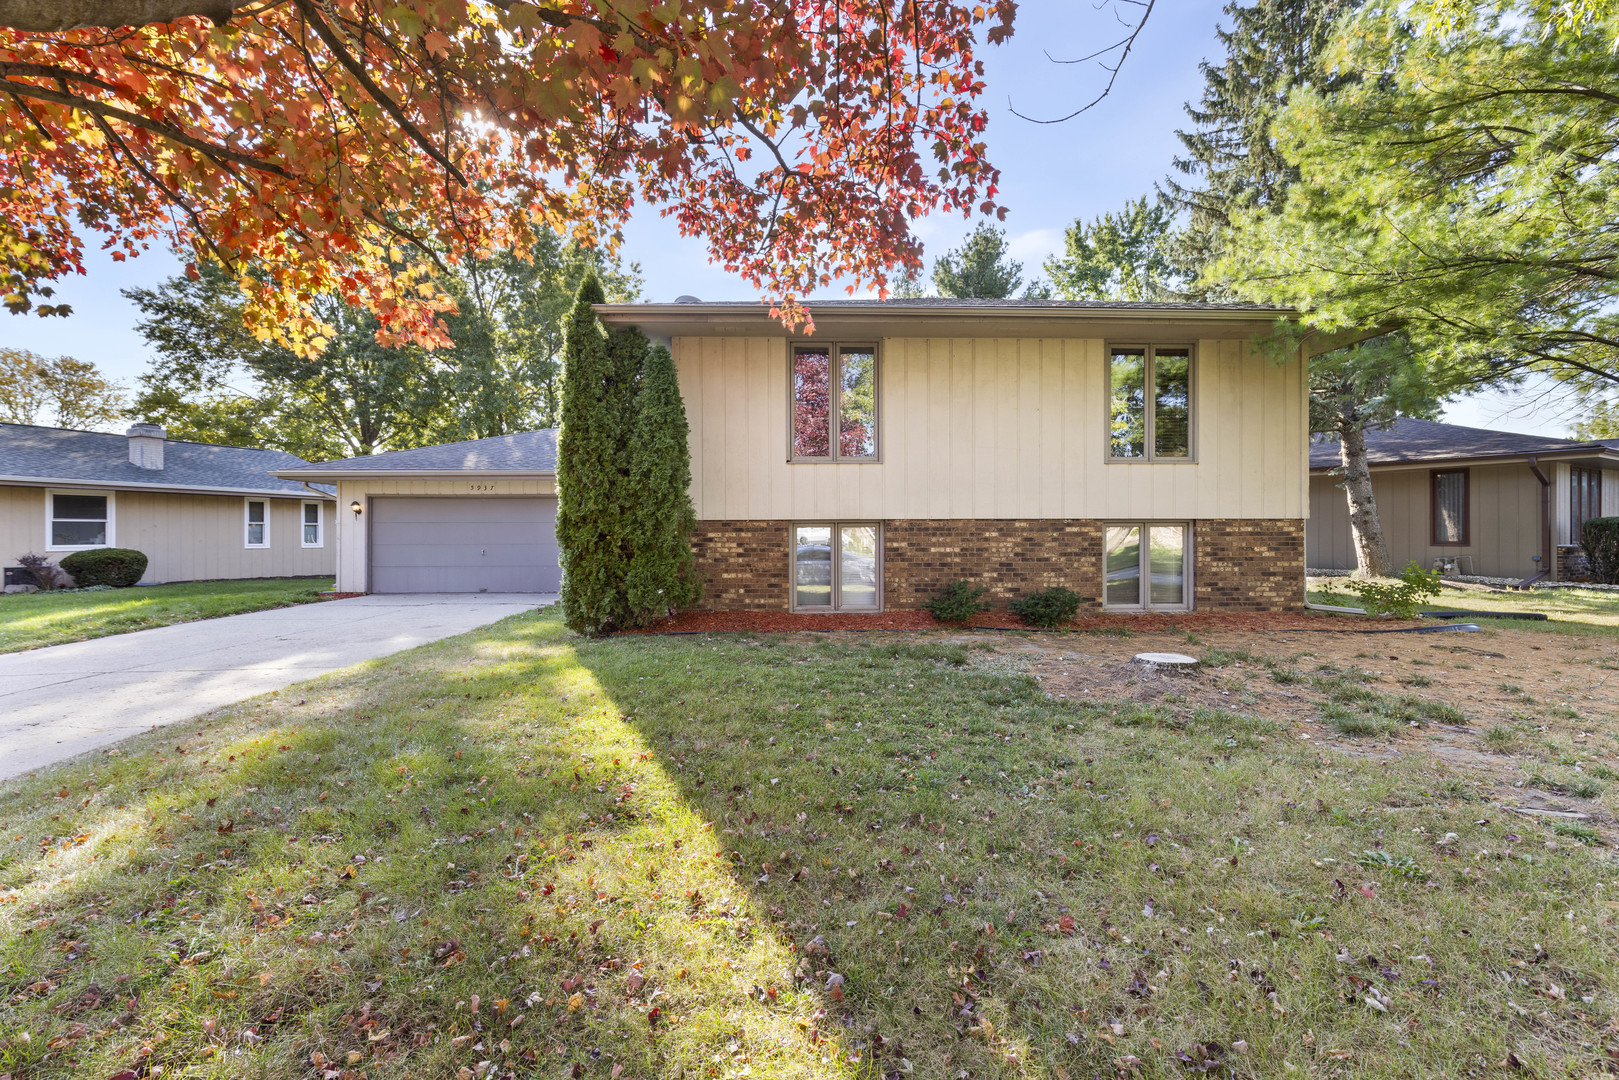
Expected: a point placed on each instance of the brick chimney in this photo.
(146, 446)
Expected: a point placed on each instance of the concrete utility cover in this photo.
(1166, 659)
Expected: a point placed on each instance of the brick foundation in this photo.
(1237, 565)
(1248, 565)
(1572, 563)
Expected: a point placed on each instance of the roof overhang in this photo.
(870, 321)
(161, 489)
(333, 475)
(1597, 456)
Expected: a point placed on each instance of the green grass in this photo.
(30, 620)
(774, 857)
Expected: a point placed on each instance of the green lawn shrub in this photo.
(958, 602)
(118, 568)
(1600, 539)
(1048, 608)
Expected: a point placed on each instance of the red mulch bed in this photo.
(736, 622)
(338, 595)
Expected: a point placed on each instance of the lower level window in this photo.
(1146, 565)
(837, 567)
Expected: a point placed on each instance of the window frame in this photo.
(1466, 532)
(1576, 524)
(836, 562)
(248, 523)
(837, 349)
(319, 523)
(1151, 456)
(1188, 561)
(111, 520)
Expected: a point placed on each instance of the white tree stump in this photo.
(1172, 660)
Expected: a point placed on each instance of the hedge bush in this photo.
(957, 602)
(1048, 608)
(118, 567)
(1600, 539)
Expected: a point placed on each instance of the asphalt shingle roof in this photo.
(46, 453)
(523, 451)
(1408, 441)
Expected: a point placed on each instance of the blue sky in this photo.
(1051, 175)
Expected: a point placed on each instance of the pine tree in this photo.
(979, 267)
(1231, 159)
(662, 575)
(592, 485)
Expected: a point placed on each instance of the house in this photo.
(476, 516)
(197, 511)
(1468, 500)
(1145, 455)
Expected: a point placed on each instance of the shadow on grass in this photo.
(519, 853)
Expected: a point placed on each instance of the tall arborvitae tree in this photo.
(1231, 160)
(592, 518)
(663, 575)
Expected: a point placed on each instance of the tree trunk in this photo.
(53, 16)
(1371, 547)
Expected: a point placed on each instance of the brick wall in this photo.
(1572, 563)
(1009, 558)
(1237, 565)
(1248, 565)
(744, 565)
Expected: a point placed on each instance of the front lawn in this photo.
(1589, 612)
(517, 853)
(29, 620)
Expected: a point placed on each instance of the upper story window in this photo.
(258, 523)
(834, 403)
(313, 536)
(78, 520)
(1150, 403)
(1584, 500)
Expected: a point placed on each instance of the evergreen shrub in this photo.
(958, 602)
(118, 568)
(1600, 539)
(1048, 608)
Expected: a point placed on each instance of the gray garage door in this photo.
(464, 545)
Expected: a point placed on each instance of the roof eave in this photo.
(126, 485)
(700, 313)
(1595, 450)
(314, 475)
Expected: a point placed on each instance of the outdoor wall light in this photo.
(356, 507)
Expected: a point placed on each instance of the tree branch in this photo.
(55, 16)
(357, 70)
(167, 131)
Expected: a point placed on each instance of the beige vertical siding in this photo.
(993, 428)
(184, 537)
(1505, 520)
(1610, 492)
(22, 522)
(350, 531)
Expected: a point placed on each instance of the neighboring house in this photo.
(198, 512)
(476, 516)
(1468, 500)
(1144, 455)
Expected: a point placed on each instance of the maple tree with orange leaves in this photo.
(321, 146)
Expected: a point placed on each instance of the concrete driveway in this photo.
(65, 699)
